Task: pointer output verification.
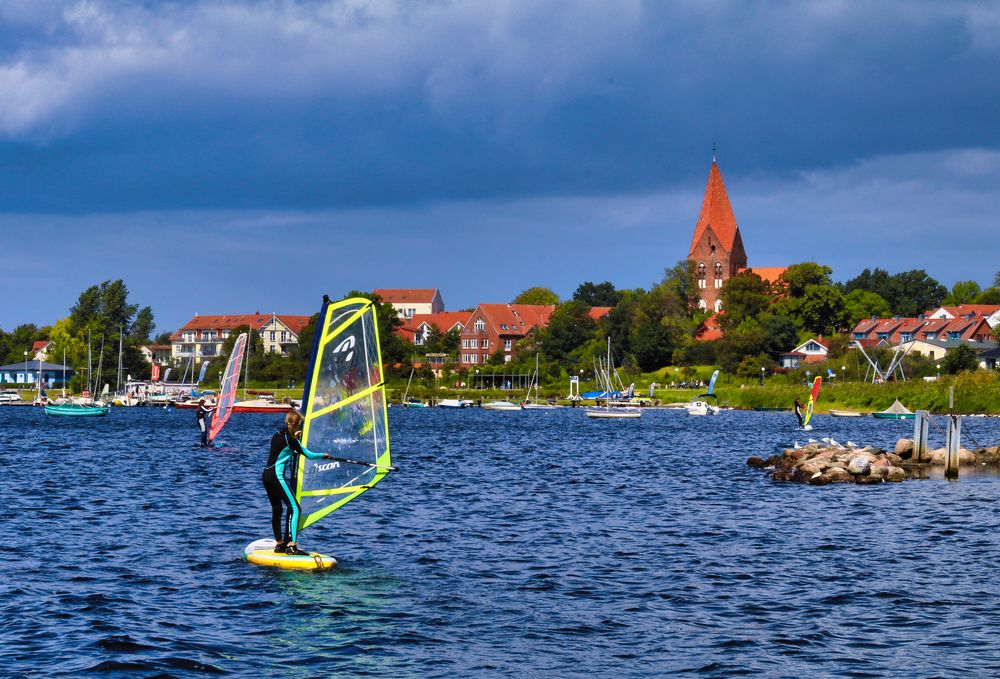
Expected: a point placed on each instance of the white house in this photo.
(409, 302)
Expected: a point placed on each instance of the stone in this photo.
(894, 459)
(859, 465)
(867, 480)
(782, 475)
(819, 480)
(895, 474)
(839, 475)
(755, 461)
(937, 455)
(904, 448)
(796, 453)
(966, 456)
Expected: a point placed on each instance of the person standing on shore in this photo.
(203, 412)
(798, 410)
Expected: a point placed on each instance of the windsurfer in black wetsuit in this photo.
(285, 449)
(203, 412)
(798, 410)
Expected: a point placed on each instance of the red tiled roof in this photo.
(769, 274)
(520, 319)
(38, 345)
(966, 309)
(716, 212)
(599, 312)
(711, 330)
(232, 321)
(443, 320)
(400, 295)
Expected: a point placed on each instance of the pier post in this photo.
(953, 443)
(921, 429)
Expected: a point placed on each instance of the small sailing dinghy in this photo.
(897, 411)
(227, 390)
(346, 416)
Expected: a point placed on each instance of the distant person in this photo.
(285, 449)
(203, 412)
(798, 410)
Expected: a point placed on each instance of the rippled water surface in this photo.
(532, 543)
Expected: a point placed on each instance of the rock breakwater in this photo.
(829, 462)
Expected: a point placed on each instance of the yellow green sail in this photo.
(345, 411)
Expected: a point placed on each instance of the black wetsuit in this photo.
(202, 413)
(798, 411)
(276, 495)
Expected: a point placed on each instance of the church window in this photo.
(718, 305)
(702, 305)
(701, 274)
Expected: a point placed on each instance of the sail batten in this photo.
(345, 411)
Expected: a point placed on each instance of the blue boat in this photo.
(76, 410)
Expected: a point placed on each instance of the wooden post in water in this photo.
(921, 429)
(952, 445)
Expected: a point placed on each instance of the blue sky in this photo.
(237, 156)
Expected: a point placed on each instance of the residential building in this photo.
(991, 312)
(717, 250)
(27, 373)
(40, 350)
(810, 351)
(409, 302)
(930, 337)
(159, 354)
(499, 327)
(202, 337)
(417, 329)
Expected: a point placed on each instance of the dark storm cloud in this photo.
(162, 106)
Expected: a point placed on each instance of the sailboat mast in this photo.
(64, 373)
(118, 378)
(90, 364)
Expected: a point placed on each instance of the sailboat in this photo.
(83, 407)
(346, 416)
(227, 389)
(534, 403)
(699, 405)
(407, 403)
(612, 408)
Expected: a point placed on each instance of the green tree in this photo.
(255, 345)
(797, 278)
(908, 293)
(990, 295)
(681, 281)
(963, 292)
(861, 304)
(18, 341)
(599, 294)
(746, 339)
(781, 332)
(744, 296)
(961, 358)
(143, 326)
(821, 309)
(536, 295)
(570, 326)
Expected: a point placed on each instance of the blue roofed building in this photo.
(27, 373)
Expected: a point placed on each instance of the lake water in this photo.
(532, 544)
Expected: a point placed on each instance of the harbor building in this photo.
(27, 372)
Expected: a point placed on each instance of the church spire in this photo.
(716, 212)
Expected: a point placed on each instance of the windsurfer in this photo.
(203, 412)
(285, 447)
(798, 410)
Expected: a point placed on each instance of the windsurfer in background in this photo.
(285, 448)
(203, 412)
(798, 410)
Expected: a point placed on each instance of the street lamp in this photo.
(762, 371)
(843, 373)
(25, 366)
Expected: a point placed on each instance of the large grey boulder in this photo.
(859, 465)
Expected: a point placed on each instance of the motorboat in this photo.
(501, 405)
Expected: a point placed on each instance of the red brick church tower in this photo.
(717, 248)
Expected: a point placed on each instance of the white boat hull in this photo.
(614, 413)
(701, 408)
(501, 405)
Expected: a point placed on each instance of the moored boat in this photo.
(897, 411)
(260, 405)
(454, 403)
(846, 413)
(501, 405)
(76, 410)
